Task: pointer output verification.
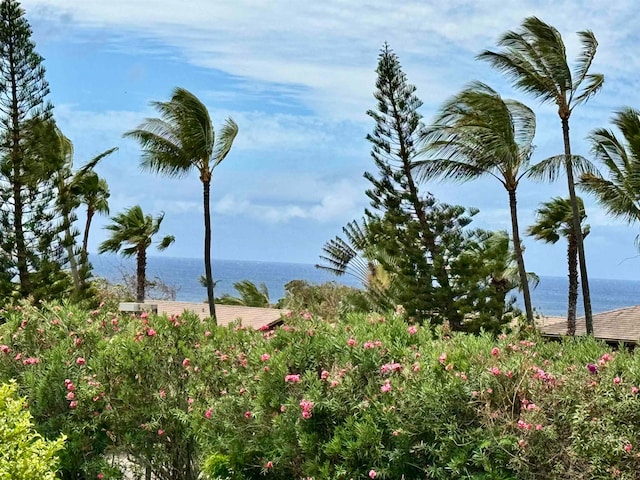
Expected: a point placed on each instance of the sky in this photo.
(298, 77)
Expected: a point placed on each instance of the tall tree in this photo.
(131, 234)
(554, 219)
(26, 185)
(395, 195)
(619, 194)
(182, 140)
(535, 59)
(476, 134)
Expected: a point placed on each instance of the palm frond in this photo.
(225, 141)
(550, 168)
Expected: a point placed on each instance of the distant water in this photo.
(550, 297)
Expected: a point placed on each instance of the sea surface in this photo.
(549, 297)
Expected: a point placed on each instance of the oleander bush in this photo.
(369, 396)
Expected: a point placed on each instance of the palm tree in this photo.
(181, 140)
(535, 59)
(554, 219)
(251, 295)
(620, 194)
(93, 192)
(477, 133)
(132, 233)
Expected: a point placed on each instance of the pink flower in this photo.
(283, 408)
(265, 357)
(617, 381)
(634, 390)
(151, 332)
(628, 447)
(144, 315)
(538, 427)
(207, 414)
(160, 432)
(207, 333)
(247, 414)
(80, 361)
(495, 351)
(292, 379)
(162, 393)
(351, 342)
(489, 391)
(442, 358)
(386, 387)
(71, 387)
(100, 475)
(306, 415)
(522, 443)
(495, 371)
(416, 367)
(71, 396)
(73, 404)
(373, 473)
(412, 330)
(186, 362)
(324, 375)
(334, 383)
(269, 465)
(5, 349)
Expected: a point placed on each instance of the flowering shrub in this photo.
(368, 397)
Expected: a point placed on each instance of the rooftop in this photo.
(620, 325)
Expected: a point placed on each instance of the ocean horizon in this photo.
(183, 274)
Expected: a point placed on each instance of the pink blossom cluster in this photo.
(307, 408)
(5, 349)
(386, 387)
(292, 379)
(390, 367)
(412, 330)
(70, 393)
(372, 344)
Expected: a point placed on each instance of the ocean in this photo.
(548, 298)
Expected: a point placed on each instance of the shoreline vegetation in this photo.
(428, 370)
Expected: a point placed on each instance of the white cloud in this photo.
(333, 202)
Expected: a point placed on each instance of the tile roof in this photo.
(253, 317)
(622, 324)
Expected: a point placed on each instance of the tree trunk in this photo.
(141, 273)
(206, 184)
(517, 248)
(572, 258)
(577, 230)
(73, 262)
(16, 160)
(87, 226)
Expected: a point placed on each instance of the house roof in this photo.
(620, 325)
(253, 317)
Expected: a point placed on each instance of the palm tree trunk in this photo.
(73, 262)
(87, 226)
(206, 184)
(141, 273)
(572, 258)
(517, 248)
(577, 230)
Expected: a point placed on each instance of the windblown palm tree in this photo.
(477, 133)
(131, 234)
(620, 193)
(251, 295)
(554, 219)
(535, 59)
(182, 140)
(93, 192)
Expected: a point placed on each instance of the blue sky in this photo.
(298, 78)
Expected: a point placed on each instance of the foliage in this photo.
(31, 235)
(25, 455)
(329, 300)
(181, 140)
(554, 219)
(534, 58)
(619, 194)
(251, 295)
(132, 234)
(322, 399)
(478, 133)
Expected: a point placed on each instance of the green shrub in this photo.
(24, 454)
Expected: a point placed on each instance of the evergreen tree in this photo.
(29, 220)
(407, 225)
